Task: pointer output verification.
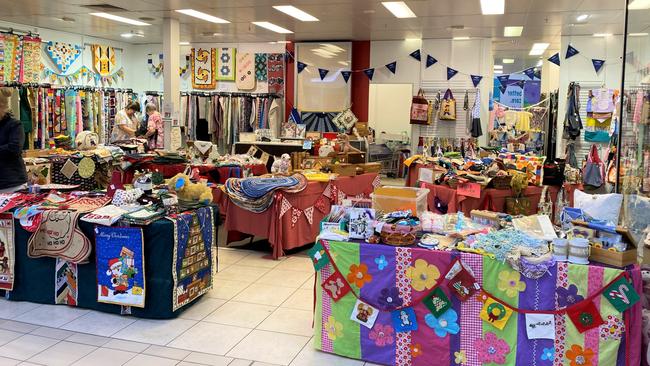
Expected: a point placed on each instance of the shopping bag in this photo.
(448, 107)
(419, 109)
(594, 170)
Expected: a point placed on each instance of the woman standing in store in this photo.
(13, 175)
(126, 123)
(155, 128)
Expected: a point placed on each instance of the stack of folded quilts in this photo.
(256, 193)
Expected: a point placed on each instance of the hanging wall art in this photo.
(7, 254)
(63, 55)
(226, 69)
(203, 68)
(261, 60)
(120, 266)
(31, 67)
(10, 56)
(103, 60)
(245, 79)
(275, 72)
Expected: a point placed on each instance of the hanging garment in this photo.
(572, 119)
(476, 129)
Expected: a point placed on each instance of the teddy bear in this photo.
(282, 165)
(188, 191)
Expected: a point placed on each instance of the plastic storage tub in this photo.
(389, 198)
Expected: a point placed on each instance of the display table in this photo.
(299, 223)
(35, 277)
(396, 278)
(272, 148)
(214, 174)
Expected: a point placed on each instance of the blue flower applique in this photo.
(548, 354)
(447, 323)
(381, 262)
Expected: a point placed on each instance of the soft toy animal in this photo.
(282, 165)
(188, 191)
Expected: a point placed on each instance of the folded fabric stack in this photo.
(256, 193)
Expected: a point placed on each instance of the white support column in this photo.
(171, 54)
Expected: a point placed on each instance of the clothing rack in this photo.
(229, 94)
(14, 84)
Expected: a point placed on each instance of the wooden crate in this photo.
(617, 259)
(344, 169)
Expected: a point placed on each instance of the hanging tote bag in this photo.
(419, 109)
(594, 170)
(447, 107)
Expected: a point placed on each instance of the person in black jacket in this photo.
(13, 175)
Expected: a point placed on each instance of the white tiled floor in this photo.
(258, 314)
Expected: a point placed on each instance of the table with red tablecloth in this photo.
(213, 173)
(293, 220)
(491, 199)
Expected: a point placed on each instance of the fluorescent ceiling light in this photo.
(508, 60)
(498, 67)
(582, 17)
(131, 35)
(514, 31)
(296, 13)
(184, 43)
(272, 27)
(118, 18)
(639, 5)
(399, 9)
(638, 34)
(538, 49)
(202, 16)
(463, 38)
(602, 34)
(492, 7)
(412, 39)
(498, 71)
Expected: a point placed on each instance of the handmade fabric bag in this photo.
(599, 206)
(517, 206)
(594, 170)
(420, 109)
(448, 107)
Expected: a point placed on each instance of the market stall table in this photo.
(390, 278)
(293, 220)
(214, 174)
(35, 277)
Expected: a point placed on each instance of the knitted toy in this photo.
(188, 191)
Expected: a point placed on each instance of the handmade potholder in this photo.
(86, 168)
(63, 54)
(69, 168)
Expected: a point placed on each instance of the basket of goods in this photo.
(501, 180)
(400, 231)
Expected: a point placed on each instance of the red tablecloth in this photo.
(282, 232)
(170, 170)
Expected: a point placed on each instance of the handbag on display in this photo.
(594, 170)
(554, 173)
(545, 206)
(345, 120)
(599, 206)
(516, 206)
(419, 109)
(447, 109)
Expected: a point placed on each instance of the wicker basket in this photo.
(501, 182)
(399, 235)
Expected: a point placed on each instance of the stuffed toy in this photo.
(188, 191)
(282, 165)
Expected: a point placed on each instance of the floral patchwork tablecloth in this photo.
(393, 306)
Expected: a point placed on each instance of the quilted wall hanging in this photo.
(31, 61)
(66, 282)
(227, 63)
(261, 60)
(245, 79)
(319, 121)
(204, 63)
(192, 261)
(120, 266)
(63, 55)
(504, 324)
(7, 253)
(275, 72)
(104, 59)
(10, 57)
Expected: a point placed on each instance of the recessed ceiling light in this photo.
(492, 7)
(498, 67)
(602, 34)
(639, 5)
(538, 49)
(184, 43)
(131, 35)
(498, 71)
(508, 60)
(399, 9)
(296, 13)
(462, 38)
(513, 31)
(582, 17)
(637, 34)
(118, 18)
(272, 27)
(202, 16)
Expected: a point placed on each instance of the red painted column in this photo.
(360, 87)
(289, 92)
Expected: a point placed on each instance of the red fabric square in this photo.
(336, 286)
(585, 316)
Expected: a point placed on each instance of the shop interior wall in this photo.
(468, 56)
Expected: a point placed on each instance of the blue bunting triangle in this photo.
(503, 80)
(416, 55)
(598, 64)
(369, 73)
(555, 59)
(392, 67)
(538, 74)
(530, 72)
(451, 73)
(301, 66)
(430, 61)
(323, 73)
(476, 79)
(570, 52)
(346, 75)
(520, 83)
(502, 88)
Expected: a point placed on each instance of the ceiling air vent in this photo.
(103, 8)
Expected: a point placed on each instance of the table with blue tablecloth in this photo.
(35, 277)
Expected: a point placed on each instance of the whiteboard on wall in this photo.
(389, 108)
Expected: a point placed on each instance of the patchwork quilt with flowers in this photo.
(413, 328)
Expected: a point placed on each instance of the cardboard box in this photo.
(388, 199)
(613, 258)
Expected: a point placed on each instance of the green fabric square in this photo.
(318, 255)
(621, 294)
(437, 302)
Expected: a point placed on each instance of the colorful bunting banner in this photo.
(555, 59)
(598, 64)
(323, 73)
(570, 52)
(503, 80)
(451, 73)
(301, 66)
(318, 255)
(416, 55)
(369, 73)
(404, 320)
(392, 67)
(530, 72)
(621, 294)
(346, 75)
(431, 61)
(476, 79)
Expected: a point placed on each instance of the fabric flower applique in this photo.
(381, 262)
(460, 357)
(423, 275)
(491, 348)
(568, 296)
(359, 275)
(225, 70)
(612, 329)
(334, 328)
(509, 281)
(548, 354)
(445, 324)
(382, 335)
(416, 350)
(578, 356)
(389, 298)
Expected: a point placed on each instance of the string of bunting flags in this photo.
(571, 51)
(83, 74)
(157, 69)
